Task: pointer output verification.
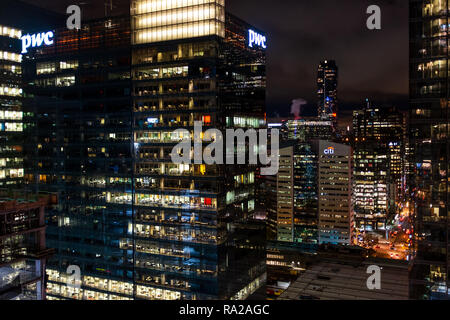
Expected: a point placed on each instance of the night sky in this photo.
(373, 64)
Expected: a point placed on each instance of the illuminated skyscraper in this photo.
(11, 114)
(327, 83)
(280, 197)
(334, 183)
(109, 101)
(310, 199)
(429, 143)
(378, 158)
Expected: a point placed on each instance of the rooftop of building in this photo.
(13, 201)
(346, 279)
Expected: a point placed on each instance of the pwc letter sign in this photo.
(256, 40)
(36, 40)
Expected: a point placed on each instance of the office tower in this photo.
(307, 129)
(335, 210)
(378, 160)
(79, 145)
(429, 142)
(11, 86)
(11, 114)
(305, 194)
(291, 196)
(327, 82)
(108, 101)
(280, 197)
(406, 158)
(22, 246)
(310, 199)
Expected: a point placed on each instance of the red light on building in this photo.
(207, 119)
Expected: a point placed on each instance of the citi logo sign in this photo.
(36, 40)
(256, 39)
(329, 151)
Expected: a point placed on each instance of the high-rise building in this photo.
(310, 199)
(429, 143)
(327, 83)
(306, 194)
(108, 101)
(291, 196)
(23, 253)
(378, 164)
(11, 114)
(280, 197)
(334, 183)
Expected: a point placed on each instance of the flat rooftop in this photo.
(341, 281)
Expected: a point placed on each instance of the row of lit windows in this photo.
(172, 233)
(183, 51)
(11, 69)
(65, 81)
(177, 16)
(160, 73)
(10, 56)
(176, 32)
(435, 7)
(150, 137)
(245, 122)
(159, 200)
(11, 115)
(11, 127)
(10, 161)
(69, 291)
(9, 91)
(11, 173)
(433, 69)
(10, 32)
(52, 67)
(147, 6)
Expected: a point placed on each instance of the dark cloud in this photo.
(372, 64)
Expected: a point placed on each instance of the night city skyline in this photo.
(229, 157)
(301, 34)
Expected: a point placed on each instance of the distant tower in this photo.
(327, 81)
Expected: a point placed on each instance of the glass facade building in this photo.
(11, 113)
(309, 201)
(107, 103)
(327, 83)
(378, 171)
(306, 194)
(429, 143)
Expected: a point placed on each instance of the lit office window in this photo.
(10, 32)
(164, 20)
(8, 91)
(10, 56)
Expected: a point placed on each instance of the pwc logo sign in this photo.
(36, 40)
(329, 151)
(256, 40)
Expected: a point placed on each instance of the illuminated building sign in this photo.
(36, 40)
(329, 151)
(256, 40)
